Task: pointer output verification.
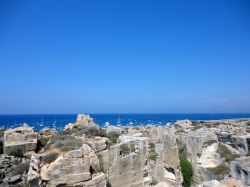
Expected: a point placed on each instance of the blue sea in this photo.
(58, 121)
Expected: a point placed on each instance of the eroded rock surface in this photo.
(22, 138)
(75, 168)
(84, 154)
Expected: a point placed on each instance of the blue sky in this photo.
(124, 56)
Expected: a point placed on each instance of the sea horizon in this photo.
(58, 121)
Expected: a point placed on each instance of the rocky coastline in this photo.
(214, 153)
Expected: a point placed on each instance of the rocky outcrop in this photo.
(97, 143)
(23, 138)
(183, 124)
(202, 146)
(75, 168)
(84, 154)
(240, 169)
(127, 162)
(47, 132)
(13, 171)
(222, 183)
(84, 119)
(168, 164)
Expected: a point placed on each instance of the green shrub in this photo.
(124, 149)
(186, 169)
(50, 157)
(132, 147)
(64, 142)
(89, 131)
(224, 152)
(16, 152)
(220, 170)
(113, 137)
(152, 155)
(41, 143)
(101, 161)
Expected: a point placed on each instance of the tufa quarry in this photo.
(213, 153)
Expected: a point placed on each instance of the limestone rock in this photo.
(183, 123)
(47, 132)
(202, 147)
(33, 173)
(75, 168)
(168, 166)
(223, 183)
(115, 129)
(84, 119)
(23, 138)
(240, 169)
(127, 162)
(97, 143)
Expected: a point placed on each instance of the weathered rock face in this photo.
(145, 156)
(87, 155)
(13, 170)
(200, 142)
(47, 132)
(127, 162)
(202, 151)
(84, 119)
(222, 183)
(33, 173)
(114, 129)
(240, 169)
(168, 165)
(75, 168)
(97, 144)
(183, 123)
(240, 143)
(23, 138)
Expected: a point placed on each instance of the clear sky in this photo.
(124, 56)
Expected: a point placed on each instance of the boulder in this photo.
(76, 168)
(97, 143)
(47, 132)
(22, 138)
(240, 169)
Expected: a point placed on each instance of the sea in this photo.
(58, 121)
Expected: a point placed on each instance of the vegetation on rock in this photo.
(101, 161)
(113, 137)
(152, 154)
(89, 131)
(16, 152)
(186, 168)
(220, 170)
(63, 142)
(224, 152)
(41, 143)
(125, 150)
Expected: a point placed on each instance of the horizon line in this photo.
(124, 113)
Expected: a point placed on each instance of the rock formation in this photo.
(85, 155)
(22, 138)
